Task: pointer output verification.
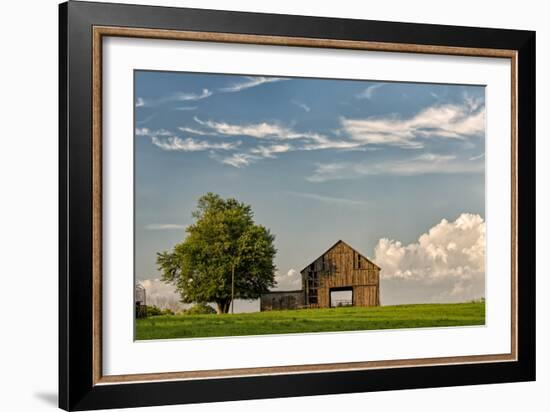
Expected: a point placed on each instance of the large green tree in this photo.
(224, 254)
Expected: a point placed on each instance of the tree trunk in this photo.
(222, 306)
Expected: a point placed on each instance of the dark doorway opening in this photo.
(341, 297)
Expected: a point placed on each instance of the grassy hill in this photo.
(311, 320)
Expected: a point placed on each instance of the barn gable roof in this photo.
(333, 246)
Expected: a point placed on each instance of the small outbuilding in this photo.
(140, 301)
(279, 300)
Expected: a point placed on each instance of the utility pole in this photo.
(234, 262)
(232, 287)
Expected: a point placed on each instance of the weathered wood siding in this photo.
(282, 300)
(341, 268)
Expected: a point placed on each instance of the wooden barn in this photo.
(341, 276)
(341, 268)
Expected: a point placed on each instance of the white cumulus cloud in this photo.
(445, 264)
(163, 295)
(292, 280)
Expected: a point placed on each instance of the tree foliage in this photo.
(223, 239)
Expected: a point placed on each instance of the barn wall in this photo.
(365, 296)
(338, 268)
(324, 297)
(282, 300)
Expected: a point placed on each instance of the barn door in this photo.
(340, 297)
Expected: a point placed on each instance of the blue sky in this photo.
(318, 160)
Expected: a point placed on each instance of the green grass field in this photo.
(311, 320)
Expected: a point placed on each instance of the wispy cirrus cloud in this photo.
(271, 150)
(273, 131)
(277, 137)
(369, 92)
(140, 102)
(185, 108)
(302, 106)
(165, 226)
(174, 97)
(185, 97)
(257, 130)
(243, 159)
(321, 142)
(238, 160)
(249, 82)
(473, 103)
(145, 131)
(191, 145)
(427, 163)
(331, 200)
(168, 141)
(195, 131)
(449, 121)
(145, 120)
(480, 156)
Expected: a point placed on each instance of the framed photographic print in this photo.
(257, 205)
